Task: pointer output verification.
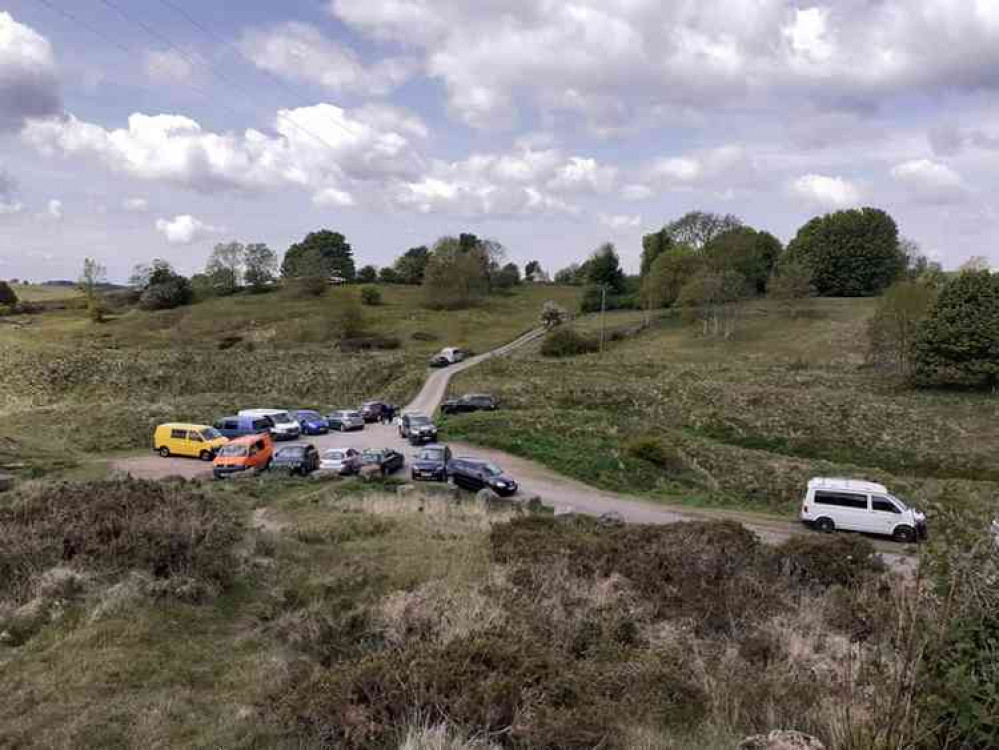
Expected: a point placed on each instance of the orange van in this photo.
(249, 453)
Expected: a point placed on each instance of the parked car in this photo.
(854, 505)
(431, 463)
(341, 460)
(388, 460)
(372, 411)
(300, 458)
(417, 429)
(472, 474)
(285, 426)
(194, 440)
(448, 356)
(248, 453)
(345, 420)
(469, 402)
(312, 422)
(237, 426)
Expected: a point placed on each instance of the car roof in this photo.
(246, 439)
(261, 412)
(841, 483)
(184, 426)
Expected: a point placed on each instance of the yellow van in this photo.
(196, 440)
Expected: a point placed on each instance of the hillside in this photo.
(80, 390)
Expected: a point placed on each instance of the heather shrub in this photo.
(567, 342)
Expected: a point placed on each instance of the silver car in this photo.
(345, 420)
(341, 460)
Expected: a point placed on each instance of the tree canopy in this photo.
(456, 274)
(8, 298)
(323, 253)
(668, 274)
(654, 245)
(412, 264)
(604, 269)
(852, 253)
(746, 251)
(698, 228)
(959, 340)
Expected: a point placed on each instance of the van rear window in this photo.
(841, 500)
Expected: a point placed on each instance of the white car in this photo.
(854, 505)
(341, 460)
(286, 427)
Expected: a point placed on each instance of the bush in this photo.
(592, 301)
(567, 342)
(112, 527)
(308, 286)
(653, 451)
(167, 295)
(827, 561)
(95, 311)
(8, 298)
(369, 343)
(371, 296)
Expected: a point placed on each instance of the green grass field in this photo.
(743, 422)
(43, 293)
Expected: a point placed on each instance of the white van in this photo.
(453, 354)
(853, 505)
(286, 427)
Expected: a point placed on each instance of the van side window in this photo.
(884, 505)
(841, 500)
(178, 434)
(261, 424)
(231, 424)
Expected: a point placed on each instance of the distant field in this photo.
(42, 293)
(744, 422)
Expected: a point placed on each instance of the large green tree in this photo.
(8, 298)
(224, 268)
(259, 266)
(698, 228)
(456, 275)
(322, 253)
(604, 269)
(959, 340)
(853, 253)
(670, 271)
(412, 264)
(654, 245)
(746, 251)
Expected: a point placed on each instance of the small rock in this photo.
(6, 481)
(781, 739)
(405, 490)
(325, 475)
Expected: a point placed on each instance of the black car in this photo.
(300, 458)
(373, 411)
(418, 428)
(472, 474)
(388, 460)
(469, 402)
(431, 463)
(439, 361)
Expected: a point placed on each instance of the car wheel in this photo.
(165, 452)
(825, 525)
(206, 455)
(904, 534)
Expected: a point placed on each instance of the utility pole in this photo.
(603, 315)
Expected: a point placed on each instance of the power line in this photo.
(213, 70)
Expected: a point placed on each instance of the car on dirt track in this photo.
(468, 403)
(473, 474)
(341, 460)
(430, 463)
(448, 356)
(191, 440)
(855, 505)
(251, 453)
(387, 460)
(300, 458)
(417, 429)
(345, 420)
(312, 422)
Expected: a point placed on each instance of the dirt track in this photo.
(564, 494)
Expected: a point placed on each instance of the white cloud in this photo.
(620, 222)
(54, 209)
(315, 148)
(729, 165)
(184, 229)
(827, 192)
(636, 192)
(300, 52)
(929, 181)
(624, 62)
(168, 66)
(677, 169)
(8, 208)
(28, 82)
(135, 205)
(8, 195)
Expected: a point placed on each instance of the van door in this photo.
(195, 443)
(178, 442)
(884, 514)
(848, 510)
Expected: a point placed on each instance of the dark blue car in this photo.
(236, 427)
(430, 464)
(312, 422)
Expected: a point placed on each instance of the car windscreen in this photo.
(431, 454)
(309, 415)
(234, 450)
(291, 451)
(419, 421)
(492, 470)
(353, 414)
(334, 456)
(372, 456)
(902, 505)
(280, 417)
(211, 433)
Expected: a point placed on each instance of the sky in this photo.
(141, 129)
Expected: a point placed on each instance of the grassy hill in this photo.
(80, 390)
(44, 292)
(674, 416)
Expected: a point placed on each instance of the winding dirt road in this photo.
(562, 493)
